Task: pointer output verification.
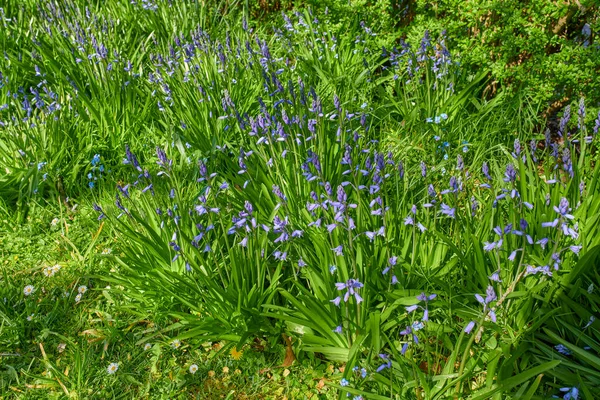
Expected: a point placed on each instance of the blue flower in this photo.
(571, 393)
(344, 382)
(562, 349)
(387, 363)
(469, 327)
(352, 286)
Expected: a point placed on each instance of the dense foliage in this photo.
(363, 196)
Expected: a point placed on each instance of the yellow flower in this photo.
(225, 370)
(236, 354)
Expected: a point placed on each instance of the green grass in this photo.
(96, 331)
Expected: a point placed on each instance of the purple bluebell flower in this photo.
(570, 393)
(562, 349)
(564, 121)
(517, 149)
(510, 175)
(277, 191)
(447, 210)
(408, 331)
(460, 164)
(486, 171)
(387, 363)
(352, 286)
(469, 327)
(132, 159)
(339, 251)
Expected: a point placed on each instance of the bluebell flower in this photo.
(339, 251)
(490, 297)
(408, 331)
(570, 393)
(510, 175)
(351, 286)
(469, 327)
(447, 210)
(387, 363)
(562, 349)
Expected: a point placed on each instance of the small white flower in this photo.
(62, 347)
(193, 368)
(55, 222)
(28, 290)
(147, 346)
(106, 251)
(30, 317)
(78, 298)
(176, 344)
(51, 271)
(112, 368)
(82, 289)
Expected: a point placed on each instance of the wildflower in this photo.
(236, 354)
(469, 327)
(78, 298)
(510, 175)
(387, 363)
(193, 369)
(29, 289)
(338, 329)
(82, 289)
(225, 370)
(147, 346)
(176, 343)
(352, 287)
(562, 349)
(490, 296)
(30, 317)
(590, 322)
(51, 271)
(571, 393)
(344, 382)
(338, 250)
(408, 331)
(61, 347)
(55, 222)
(112, 368)
(447, 210)
(495, 277)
